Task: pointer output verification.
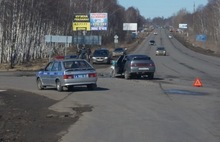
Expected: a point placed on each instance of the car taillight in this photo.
(133, 65)
(68, 76)
(151, 65)
(92, 74)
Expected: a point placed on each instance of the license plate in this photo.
(143, 69)
(80, 76)
(100, 60)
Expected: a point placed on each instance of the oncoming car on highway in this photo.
(102, 55)
(152, 42)
(68, 73)
(161, 51)
(118, 51)
(134, 65)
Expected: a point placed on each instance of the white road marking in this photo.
(2, 90)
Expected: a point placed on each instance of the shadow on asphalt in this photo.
(76, 89)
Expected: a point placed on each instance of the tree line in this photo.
(24, 24)
(205, 20)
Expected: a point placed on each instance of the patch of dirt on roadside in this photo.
(25, 117)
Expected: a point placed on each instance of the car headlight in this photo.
(106, 57)
(94, 58)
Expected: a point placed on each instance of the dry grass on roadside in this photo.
(29, 66)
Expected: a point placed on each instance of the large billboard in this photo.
(98, 21)
(81, 22)
(183, 26)
(130, 26)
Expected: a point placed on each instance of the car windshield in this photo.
(160, 48)
(102, 53)
(138, 57)
(119, 50)
(152, 41)
(78, 64)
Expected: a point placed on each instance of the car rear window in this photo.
(139, 57)
(77, 65)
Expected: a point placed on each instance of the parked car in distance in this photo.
(101, 56)
(152, 42)
(161, 51)
(134, 65)
(118, 51)
(67, 73)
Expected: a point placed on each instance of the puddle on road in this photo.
(184, 92)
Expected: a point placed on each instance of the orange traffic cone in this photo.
(197, 82)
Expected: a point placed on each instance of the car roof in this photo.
(69, 59)
(161, 48)
(137, 55)
(102, 48)
(119, 48)
(96, 50)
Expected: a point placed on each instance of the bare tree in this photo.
(23, 24)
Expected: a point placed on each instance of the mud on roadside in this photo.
(25, 117)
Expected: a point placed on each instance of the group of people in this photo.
(84, 53)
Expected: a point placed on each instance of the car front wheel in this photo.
(39, 84)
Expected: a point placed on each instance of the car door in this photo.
(45, 74)
(54, 73)
(119, 65)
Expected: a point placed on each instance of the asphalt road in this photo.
(166, 109)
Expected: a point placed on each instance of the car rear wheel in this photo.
(151, 75)
(58, 86)
(138, 76)
(39, 84)
(127, 75)
(91, 86)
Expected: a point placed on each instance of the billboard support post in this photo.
(116, 40)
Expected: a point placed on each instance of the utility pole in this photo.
(194, 10)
